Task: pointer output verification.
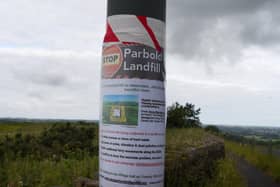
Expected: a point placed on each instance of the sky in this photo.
(222, 55)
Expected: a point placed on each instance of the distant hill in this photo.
(30, 120)
(250, 132)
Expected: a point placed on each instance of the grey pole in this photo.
(133, 104)
(150, 8)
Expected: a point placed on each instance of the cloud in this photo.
(49, 83)
(217, 31)
(215, 8)
(52, 24)
(241, 93)
(45, 67)
(263, 29)
(230, 105)
(46, 78)
(222, 55)
(52, 53)
(50, 58)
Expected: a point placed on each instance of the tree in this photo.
(179, 116)
(212, 128)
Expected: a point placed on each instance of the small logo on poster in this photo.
(133, 61)
(120, 110)
(112, 61)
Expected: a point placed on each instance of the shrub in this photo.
(183, 116)
(213, 129)
(59, 141)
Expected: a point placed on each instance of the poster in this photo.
(133, 109)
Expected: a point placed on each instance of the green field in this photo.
(44, 154)
(35, 128)
(225, 173)
(131, 113)
(55, 154)
(28, 172)
(269, 163)
(24, 128)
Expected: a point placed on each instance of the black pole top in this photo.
(150, 8)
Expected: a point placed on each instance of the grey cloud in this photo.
(52, 24)
(263, 28)
(36, 95)
(46, 86)
(50, 68)
(218, 30)
(50, 58)
(215, 7)
(42, 74)
(51, 79)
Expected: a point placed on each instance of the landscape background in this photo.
(221, 55)
(41, 152)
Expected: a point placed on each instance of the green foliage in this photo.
(28, 172)
(59, 154)
(266, 162)
(53, 155)
(35, 128)
(226, 175)
(56, 142)
(176, 139)
(10, 129)
(213, 129)
(66, 140)
(189, 162)
(179, 116)
(252, 140)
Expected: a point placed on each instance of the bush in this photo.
(59, 141)
(213, 129)
(183, 116)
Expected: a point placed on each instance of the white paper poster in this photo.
(133, 111)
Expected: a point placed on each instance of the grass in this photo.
(186, 137)
(24, 128)
(178, 141)
(32, 173)
(48, 172)
(224, 172)
(54, 155)
(32, 128)
(226, 175)
(266, 162)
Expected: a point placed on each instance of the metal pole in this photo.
(133, 106)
